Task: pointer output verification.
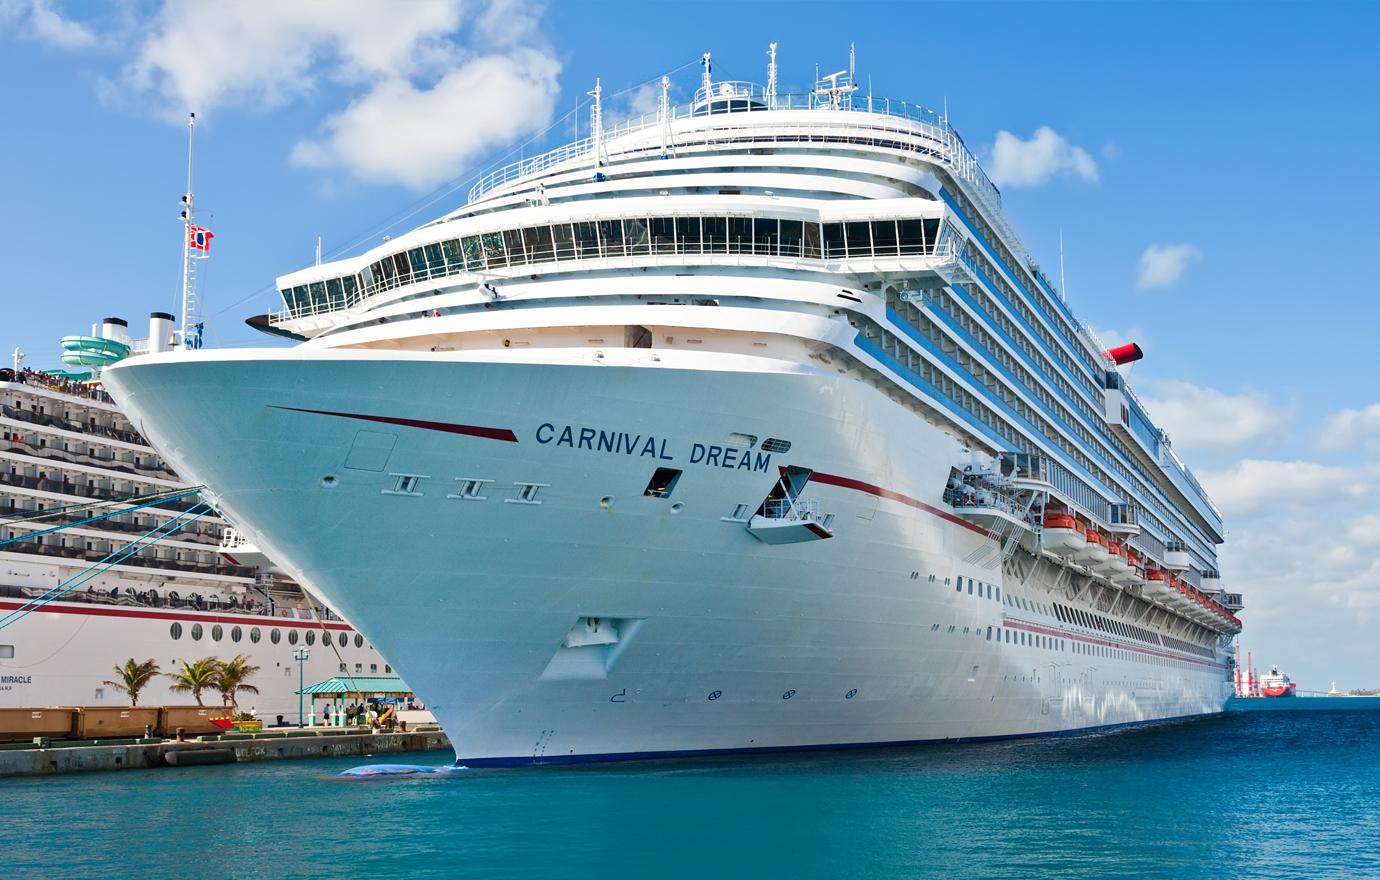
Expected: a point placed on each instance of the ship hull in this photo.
(472, 517)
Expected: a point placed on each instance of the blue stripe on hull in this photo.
(609, 757)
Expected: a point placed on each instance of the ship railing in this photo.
(151, 598)
(27, 376)
(933, 124)
(170, 566)
(63, 487)
(195, 533)
(50, 421)
(792, 509)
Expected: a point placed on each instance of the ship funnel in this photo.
(116, 329)
(1124, 354)
(160, 332)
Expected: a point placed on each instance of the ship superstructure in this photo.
(744, 425)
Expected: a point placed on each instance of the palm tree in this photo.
(195, 677)
(134, 677)
(230, 677)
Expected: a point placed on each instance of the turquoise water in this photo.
(1242, 795)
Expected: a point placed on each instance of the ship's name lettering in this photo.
(650, 446)
(16, 679)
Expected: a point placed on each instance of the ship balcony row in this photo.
(42, 483)
(56, 387)
(35, 446)
(560, 243)
(173, 562)
(47, 420)
(137, 523)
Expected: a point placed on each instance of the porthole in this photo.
(217, 632)
(175, 630)
(236, 633)
(254, 634)
(359, 640)
(326, 639)
(311, 637)
(292, 637)
(275, 636)
(196, 632)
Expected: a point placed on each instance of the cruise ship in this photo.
(83, 586)
(746, 425)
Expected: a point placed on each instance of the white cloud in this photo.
(1350, 428)
(1162, 264)
(1253, 487)
(417, 137)
(41, 20)
(1036, 161)
(1199, 418)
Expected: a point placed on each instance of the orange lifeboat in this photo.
(1136, 575)
(1116, 561)
(1157, 583)
(1061, 534)
(1095, 553)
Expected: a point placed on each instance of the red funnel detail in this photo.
(1125, 354)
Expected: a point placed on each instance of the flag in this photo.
(199, 239)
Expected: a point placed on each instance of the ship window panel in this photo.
(318, 295)
(540, 248)
(236, 633)
(766, 234)
(859, 239)
(715, 235)
(417, 260)
(792, 232)
(739, 235)
(884, 242)
(255, 634)
(833, 241)
(196, 632)
(175, 630)
(688, 235)
(301, 299)
(350, 284)
(611, 231)
(473, 249)
(435, 261)
(275, 636)
(811, 246)
(494, 253)
(637, 236)
(931, 233)
(326, 639)
(911, 237)
(454, 257)
(402, 271)
(359, 640)
(311, 637)
(512, 244)
(586, 239)
(335, 294)
(663, 235)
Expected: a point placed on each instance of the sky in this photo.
(1210, 167)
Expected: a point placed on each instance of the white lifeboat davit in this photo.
(1095, 553)
(1061, 534)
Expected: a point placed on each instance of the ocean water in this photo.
(1241, 795)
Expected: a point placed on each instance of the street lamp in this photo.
(300, 655)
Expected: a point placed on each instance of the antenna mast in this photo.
(189, 331)
(664, 110)
(596, 123)
(708, 81)
(771, 76)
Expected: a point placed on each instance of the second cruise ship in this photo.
(742, 426)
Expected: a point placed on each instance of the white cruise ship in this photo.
(744, 426)
(69, 457)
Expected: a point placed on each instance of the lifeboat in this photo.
(1156, 583)
(1136, 574)
(1095, 553)
(1128, 575)
(1061, 534)
(1115, 563)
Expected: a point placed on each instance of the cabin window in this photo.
(254, 634)
(586, 239)
(663, 235)
(311, 637)
(884, 242)
(715, 232)
(688, 235)
(512, 244)
(359, 640)
(196, 632)
(326, 639)
(766, 234)
(739, 235)
(541, 248)
(611, 231)
(175, 630)
(236, 633)
(493, 249)
(275, 636)
(859, 236)
(636, 237)
(292, 637)
(791, 232)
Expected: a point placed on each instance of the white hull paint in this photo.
(724, 642)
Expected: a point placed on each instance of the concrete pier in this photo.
(291, 744)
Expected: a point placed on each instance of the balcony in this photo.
(63, 487)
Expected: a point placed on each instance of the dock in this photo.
(78, 756)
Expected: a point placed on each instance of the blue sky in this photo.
(1210, 165)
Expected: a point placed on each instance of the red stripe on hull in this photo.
(860, 486)
(503, 434)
